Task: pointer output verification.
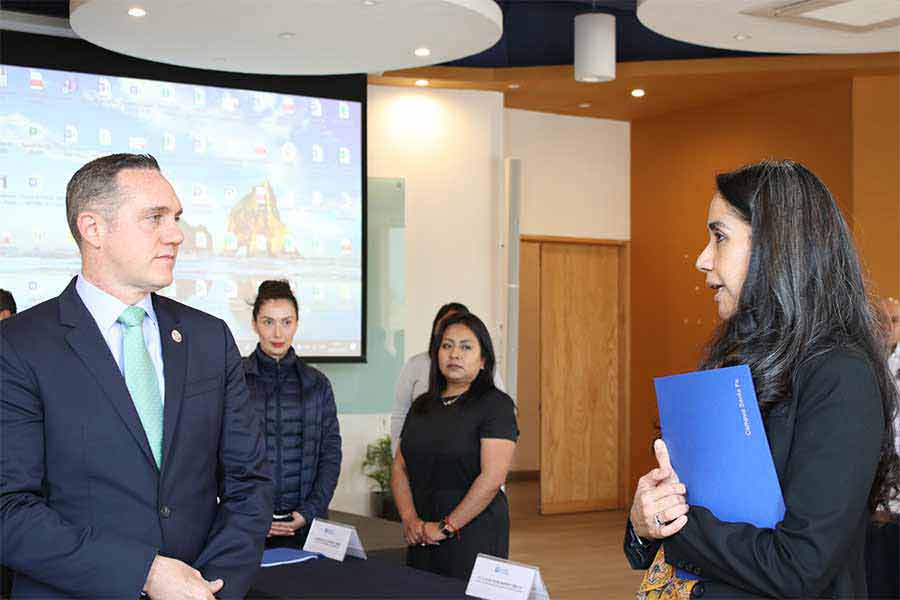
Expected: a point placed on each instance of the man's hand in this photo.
(287, 528)
(171, 579)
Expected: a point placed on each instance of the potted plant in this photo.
(377, 466)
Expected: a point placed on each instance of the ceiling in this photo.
(670, 85)
(535, 33)
(531, 65)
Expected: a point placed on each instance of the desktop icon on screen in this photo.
(35, 80)
(137, 143)
(71, 134)
(104, 88)
(69, 86)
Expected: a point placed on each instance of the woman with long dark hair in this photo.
(790, 293)
(413, 379)
(455, 450)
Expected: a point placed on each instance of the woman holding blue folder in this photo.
(790, 293)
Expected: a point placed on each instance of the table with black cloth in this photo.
(383, 575)
(353, 578)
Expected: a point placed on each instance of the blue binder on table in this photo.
(712, 427)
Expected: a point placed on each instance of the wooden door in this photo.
(582, 355)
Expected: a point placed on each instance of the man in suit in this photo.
(131, 462)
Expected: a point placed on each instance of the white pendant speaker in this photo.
(595, 47)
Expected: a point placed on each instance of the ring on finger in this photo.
(657, 521)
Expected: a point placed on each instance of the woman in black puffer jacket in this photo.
(296, 403)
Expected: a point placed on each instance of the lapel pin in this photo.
(176, 335)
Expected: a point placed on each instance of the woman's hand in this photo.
(413, 531)
(433, 534)
(659, 508)
(287, 528)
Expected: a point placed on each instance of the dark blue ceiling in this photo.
(535, 33)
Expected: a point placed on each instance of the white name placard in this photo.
(333, 540)
(497, 579)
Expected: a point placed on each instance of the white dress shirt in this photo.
(106, 310)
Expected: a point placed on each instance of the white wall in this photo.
(352, 492)
(576, 184)
(447, 144)
(576, 171)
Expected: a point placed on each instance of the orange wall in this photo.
(876, 179)
(674, 159)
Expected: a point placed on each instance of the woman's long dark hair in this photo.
(804, 294)
(484, 381)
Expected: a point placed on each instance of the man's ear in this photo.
(92, 227)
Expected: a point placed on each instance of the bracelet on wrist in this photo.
(448, 528)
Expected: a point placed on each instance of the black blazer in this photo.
(83, 506)
(825, 443)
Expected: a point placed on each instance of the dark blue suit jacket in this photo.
(84, 508)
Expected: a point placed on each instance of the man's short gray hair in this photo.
(94, 187)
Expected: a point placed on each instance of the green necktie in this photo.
(140, 377)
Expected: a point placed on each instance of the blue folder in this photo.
(713, 429)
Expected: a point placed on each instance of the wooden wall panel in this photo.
(876, 179)
(580, 376)
(674, 159)
(529, 364)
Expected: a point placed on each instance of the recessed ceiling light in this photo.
(638, 93)
(421, 82)
(422, 51)
(742, 36)
(514, 86)
(369, 2)
(584, 105)
(286, 35)
(137, 12)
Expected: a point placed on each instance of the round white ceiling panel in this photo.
(291, 37)
(785, 26)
